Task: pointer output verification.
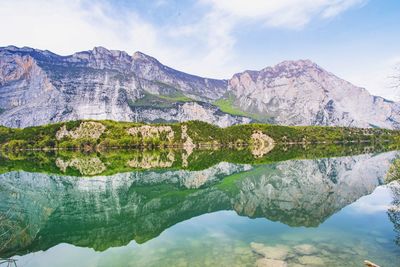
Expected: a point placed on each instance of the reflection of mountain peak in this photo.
(102, 212)
(307, 192)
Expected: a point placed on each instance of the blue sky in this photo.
(358, 40)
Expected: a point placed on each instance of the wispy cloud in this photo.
(215, 32)
(282, 13)
(205, 47)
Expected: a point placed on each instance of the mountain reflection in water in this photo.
(46, 208)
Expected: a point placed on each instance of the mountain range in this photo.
(39, 87)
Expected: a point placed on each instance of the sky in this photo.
(357, 40)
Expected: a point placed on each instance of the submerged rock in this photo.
(305, 249)
(278, 252)
(264, 262)
(311, 261)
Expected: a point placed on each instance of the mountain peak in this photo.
(293, 92)
(14, 48)
(100, 50)
(291, 66)
(144, 57)
(11, 47)
(296, 63)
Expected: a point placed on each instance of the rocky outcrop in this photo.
(89, 129)
(149, 132)
(302, 93)
(39, 87)
(261, 144)
(188, 111)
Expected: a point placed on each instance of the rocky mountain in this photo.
(39, 87)
(302, 93)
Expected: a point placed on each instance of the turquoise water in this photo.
(319, 212)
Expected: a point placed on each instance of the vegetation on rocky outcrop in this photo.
(394, 171)
(99, 135)
(90, 129)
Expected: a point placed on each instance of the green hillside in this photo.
(97, 135)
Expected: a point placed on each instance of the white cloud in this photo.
(337, 7)
(282, 13)
(215, 32)
(68, 26)
(213, 45)
(206, 47)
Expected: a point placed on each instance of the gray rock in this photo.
(311, 261)
(305, 249)
(278, 252)
(270, 263)
(302, 93)
(39, 87)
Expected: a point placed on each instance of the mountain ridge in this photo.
(39, 87)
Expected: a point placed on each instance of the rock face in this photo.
(39, 87)
(302, 93)
(87, 129)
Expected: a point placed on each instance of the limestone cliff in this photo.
(39, 87)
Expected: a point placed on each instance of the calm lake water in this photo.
(334, 211)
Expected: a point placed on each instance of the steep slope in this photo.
(154, 75)
(302, 93)
(38, 87)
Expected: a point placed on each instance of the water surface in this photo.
(312, 211)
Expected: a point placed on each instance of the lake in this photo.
(304, 207)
